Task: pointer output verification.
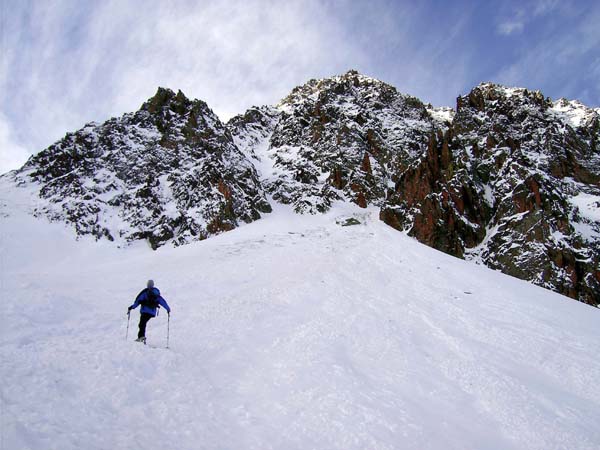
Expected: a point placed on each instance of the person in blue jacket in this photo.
(150, 300)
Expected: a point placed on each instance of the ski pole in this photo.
(127, 332)
(168, 326)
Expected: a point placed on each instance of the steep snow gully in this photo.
(292, 332)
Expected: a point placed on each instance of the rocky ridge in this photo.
(169, 172)
(510, 178)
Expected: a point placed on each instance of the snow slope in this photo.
(289, 333)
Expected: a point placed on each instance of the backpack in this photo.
(150, 300)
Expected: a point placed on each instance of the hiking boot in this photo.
(141, 339)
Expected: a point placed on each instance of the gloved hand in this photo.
(129, 309)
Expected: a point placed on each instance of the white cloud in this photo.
(66, 62)
(541, 7)
(568, 62)
(519, 16)
(510, 27)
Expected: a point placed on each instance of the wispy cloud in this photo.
(66, 62)
(563, 57)
(517, 16)
(511, 26)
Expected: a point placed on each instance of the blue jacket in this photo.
(146, 309)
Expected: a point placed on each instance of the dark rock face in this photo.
(169, 172)
(500, 186)
(509, 179)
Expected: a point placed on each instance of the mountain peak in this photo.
(345, 84)
(355, 74)
(488, 94)
(166, 97)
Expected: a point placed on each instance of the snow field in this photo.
(289, 333)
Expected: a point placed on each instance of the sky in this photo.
(66, 63)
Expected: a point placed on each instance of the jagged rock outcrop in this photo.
(169, 172)
(500, 186)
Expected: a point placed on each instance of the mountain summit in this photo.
(509, 178)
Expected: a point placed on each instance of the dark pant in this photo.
(144, 318)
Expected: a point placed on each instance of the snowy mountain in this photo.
(508, 179)
(169, 172)
(292, 332)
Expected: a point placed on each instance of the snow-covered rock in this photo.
(573, 112)
(338, 138)
(169, 172)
